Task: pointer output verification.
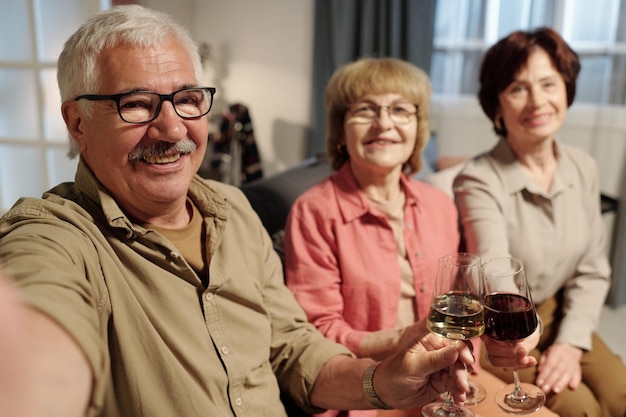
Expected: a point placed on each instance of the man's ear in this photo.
(74, 122)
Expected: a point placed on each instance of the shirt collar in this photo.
(353, 203)
(510, 167)
(209, 200)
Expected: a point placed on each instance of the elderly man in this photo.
(147, 291)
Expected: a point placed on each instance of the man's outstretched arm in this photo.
(43, 372)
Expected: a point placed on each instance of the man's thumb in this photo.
(443, 358)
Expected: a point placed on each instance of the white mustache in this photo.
(160, 149)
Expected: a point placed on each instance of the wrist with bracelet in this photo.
(370, 392)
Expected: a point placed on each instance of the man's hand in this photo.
(421, 372)
(409, 378)
(559, 368)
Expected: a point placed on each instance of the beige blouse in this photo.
(559, 235)
(407, 310)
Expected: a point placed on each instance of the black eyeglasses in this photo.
(144, 106)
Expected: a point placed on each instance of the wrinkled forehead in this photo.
(127, 67)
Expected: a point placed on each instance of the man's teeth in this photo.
(163, 159)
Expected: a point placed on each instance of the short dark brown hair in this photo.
(509, 55)
(375, 76)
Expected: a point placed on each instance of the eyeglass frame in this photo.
(378, 109)
(162, 97)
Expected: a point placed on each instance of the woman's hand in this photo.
(512, 354)
(559, 368)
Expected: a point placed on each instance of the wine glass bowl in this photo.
(456, 313)
(510, 315)
(456, 310)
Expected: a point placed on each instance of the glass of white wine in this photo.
(456, 313)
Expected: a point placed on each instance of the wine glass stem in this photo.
(448, 403)
(518, 392)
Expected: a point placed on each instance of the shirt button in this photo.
(224, 350)
(418, 254)
(208, 296)
(238, 401)
(175, 255)
(423, 288)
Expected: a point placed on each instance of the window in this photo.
(33, 138)
(596, 30)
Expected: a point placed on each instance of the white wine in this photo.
(456, 316)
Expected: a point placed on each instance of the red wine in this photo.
(509, 316)
(456, 316)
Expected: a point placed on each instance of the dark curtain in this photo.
(346, 30)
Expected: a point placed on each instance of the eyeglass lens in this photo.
(142, 107)
(399, 113)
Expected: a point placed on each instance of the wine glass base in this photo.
(446, 410)
(528, 401)
(476, 394)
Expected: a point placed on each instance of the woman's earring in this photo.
(341, 148)
(497, 123)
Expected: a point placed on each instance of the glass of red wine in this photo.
(510, 316)
(456, 313)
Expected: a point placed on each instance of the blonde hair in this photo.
(375, 76)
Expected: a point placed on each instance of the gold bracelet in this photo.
(368, 388)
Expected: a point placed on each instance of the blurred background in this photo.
(273, 57)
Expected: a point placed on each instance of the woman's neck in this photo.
(539, 161)
(379, 186)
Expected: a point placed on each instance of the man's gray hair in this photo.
(130, 24)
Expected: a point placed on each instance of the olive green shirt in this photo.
(559, 235)
(159, 342)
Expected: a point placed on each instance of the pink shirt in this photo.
(341, 256)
